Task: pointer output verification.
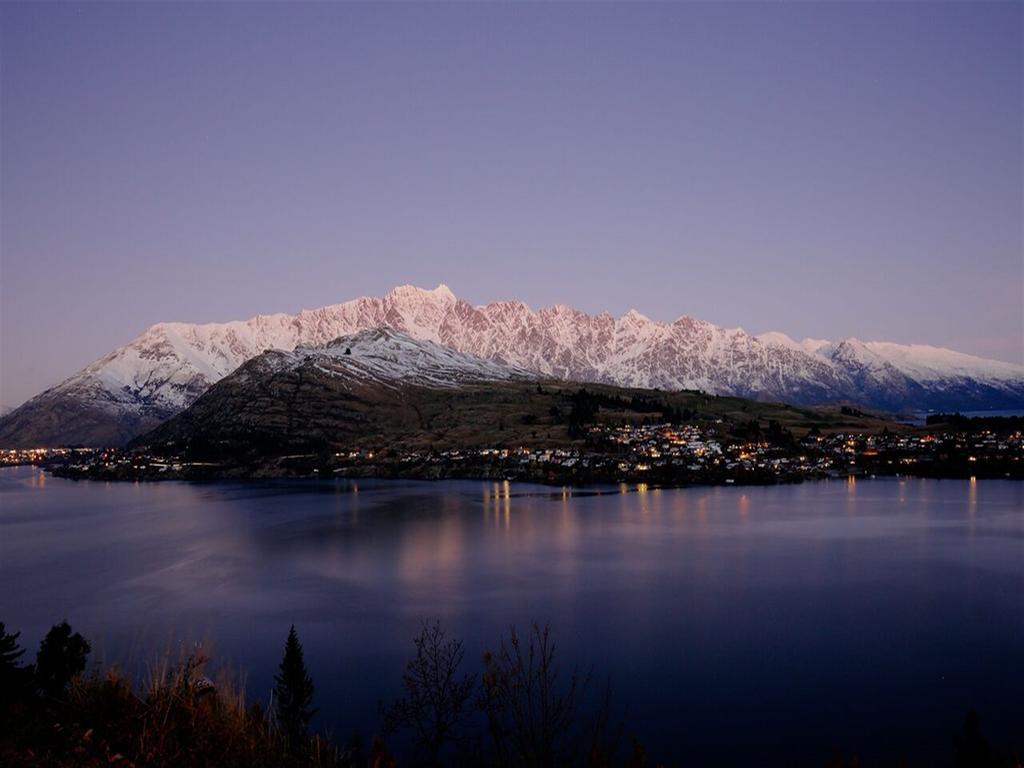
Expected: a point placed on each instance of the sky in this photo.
(821, 169)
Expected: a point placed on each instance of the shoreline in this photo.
(552, 480)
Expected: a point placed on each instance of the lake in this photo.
(786, 624)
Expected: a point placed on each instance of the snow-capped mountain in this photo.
(158, 374)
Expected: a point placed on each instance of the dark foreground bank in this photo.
(518, 707)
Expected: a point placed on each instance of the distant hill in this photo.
(136, 387)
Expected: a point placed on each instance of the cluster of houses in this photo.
(705, 451)
(13, 457)
(613, 451)
(895, 450)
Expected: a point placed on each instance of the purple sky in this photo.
(822, 169)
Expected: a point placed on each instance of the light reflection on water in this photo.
(838, 616)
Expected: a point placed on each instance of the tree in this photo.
(536, 717)
(293, 692)
(13, 677)
(779, 435)
(584, 410)
(61, 656)
(10, 651)
(434, 706)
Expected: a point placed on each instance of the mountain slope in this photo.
(391, 359)
(372, 387)
(171, 364)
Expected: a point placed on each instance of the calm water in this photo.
(921, 417)
(787, 623)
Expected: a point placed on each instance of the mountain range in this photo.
(157, 375)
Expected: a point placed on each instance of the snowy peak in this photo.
(414, 293)
(854, 350)
(776, 339)
(814, 346)
(634, 317)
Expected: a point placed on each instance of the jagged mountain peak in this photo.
(407, 292)
(814, 346)
(777, 339)
(636, 317)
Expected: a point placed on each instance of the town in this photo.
(655, 453)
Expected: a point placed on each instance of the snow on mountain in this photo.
(393, 358)
(171, 364)
(927, 363)
(776, 339)
(814, 345)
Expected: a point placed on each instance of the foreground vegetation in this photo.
(54, 714)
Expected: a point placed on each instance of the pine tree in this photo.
(10, 651)
(61, 656)
(13, 676)
(293, 692)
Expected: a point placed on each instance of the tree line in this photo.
(585, 406)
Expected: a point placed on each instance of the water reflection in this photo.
(743, 504)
